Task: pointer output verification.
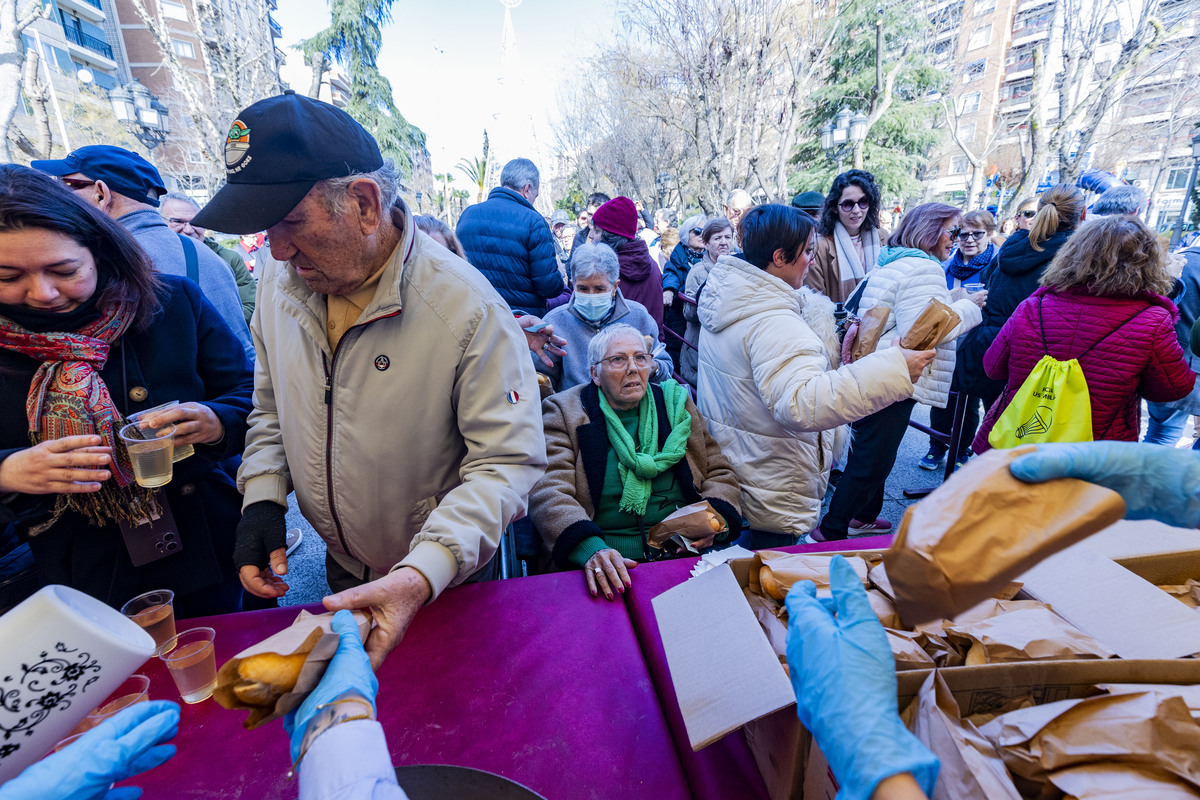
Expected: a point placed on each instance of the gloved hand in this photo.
(349, 671)
(1156, 482)
(845, 680)
(122, 746)
(261, 531)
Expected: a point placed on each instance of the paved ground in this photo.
(306, 567)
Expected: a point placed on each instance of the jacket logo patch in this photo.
(382, 363)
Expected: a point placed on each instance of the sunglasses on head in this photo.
(969, 235)
(76, 183)
(848, 205)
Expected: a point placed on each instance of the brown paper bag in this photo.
(970, 766)
(884, 608)
(871, 326)
(310, 634)
(1189, 694)
(773, 572)
(1120, 782)
(1029, 634)
(698, 523)
(1146, 729)
(992, 607)
(931, 326)
(982, 528)
(907, 653)
(767, 612)
(1186, 593)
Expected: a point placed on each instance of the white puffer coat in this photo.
(773, 394)
(905, 286)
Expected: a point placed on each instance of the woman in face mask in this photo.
(596, 304)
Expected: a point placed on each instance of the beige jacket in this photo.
(825, 276)
(420, 440)
(774, 395)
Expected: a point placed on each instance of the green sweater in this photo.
(247, 285)
(625, 532)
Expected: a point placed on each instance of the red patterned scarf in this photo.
(68, 398)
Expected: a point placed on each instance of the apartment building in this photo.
(991, 53)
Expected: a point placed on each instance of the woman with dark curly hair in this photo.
(1101, 302)
(850, 236)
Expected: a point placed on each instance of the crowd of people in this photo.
(422, 388)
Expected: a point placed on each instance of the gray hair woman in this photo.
(596, 304)
(623, 455)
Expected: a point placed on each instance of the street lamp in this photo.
(1187, 193)
(141, 113)
(664, 181)
(840, 137)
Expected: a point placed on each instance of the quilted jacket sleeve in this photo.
(794, 380)
(1167, 375)
(924, 285)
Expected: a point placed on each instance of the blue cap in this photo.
(123, 171)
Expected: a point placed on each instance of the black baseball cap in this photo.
(123, 171)
(275, 152)
(807, 200)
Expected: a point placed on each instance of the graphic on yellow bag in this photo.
(1052, 405)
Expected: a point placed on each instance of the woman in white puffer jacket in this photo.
(770, 384)
(909, 276)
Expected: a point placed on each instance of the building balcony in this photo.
(88, 46)
(276, 28)
(1028, 37)
(280, 58)
(91, 10)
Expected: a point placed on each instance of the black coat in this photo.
(1013, 275)
(678, 267)
(187, 354)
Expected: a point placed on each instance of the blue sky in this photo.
(443, 59)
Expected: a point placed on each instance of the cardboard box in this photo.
(727, 676)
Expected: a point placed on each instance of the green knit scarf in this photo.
(639, 463)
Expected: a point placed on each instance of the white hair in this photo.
(332, 191)
(1126, 200)
(181, 197)
(600, 343)
(519, 173)
(595, 259)
(694, 221)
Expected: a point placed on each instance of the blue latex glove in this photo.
(348, 671)
(122, 746)
(1156, 482)
(845, 680)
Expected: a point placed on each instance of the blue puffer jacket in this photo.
(509, 242)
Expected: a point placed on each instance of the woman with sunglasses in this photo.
(850, 236)
(974, 250)
(624, 455)
(1013, 275)
(909, 276)
(89, 335)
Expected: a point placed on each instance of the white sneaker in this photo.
(294, 537)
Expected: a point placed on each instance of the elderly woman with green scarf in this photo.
(623, 456)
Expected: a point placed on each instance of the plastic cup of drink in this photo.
(67, 742)
(151, 451)
(154, 612)
(135, 689)
(192, 662)
(973, 288)
(181, 451)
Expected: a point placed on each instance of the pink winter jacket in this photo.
(1142, 359)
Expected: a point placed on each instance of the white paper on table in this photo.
(716, 558)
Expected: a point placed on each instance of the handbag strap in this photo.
(190, 258)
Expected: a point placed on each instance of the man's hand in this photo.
(71, 465)
(668, 297)
(195, 423)
(542, 341)
(394, 600)
(260, 549)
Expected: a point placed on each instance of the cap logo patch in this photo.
(237, 143)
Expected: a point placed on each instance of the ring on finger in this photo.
(597, 570)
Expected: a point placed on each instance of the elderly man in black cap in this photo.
(393, 391)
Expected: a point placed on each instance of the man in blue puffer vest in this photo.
(510, 243)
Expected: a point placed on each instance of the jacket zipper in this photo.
(329, 367)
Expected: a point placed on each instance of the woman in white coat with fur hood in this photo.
(770, 384)
(908, 277)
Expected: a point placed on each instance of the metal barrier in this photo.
(950, 440)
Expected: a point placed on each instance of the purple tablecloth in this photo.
(532, 679)
(725, 768)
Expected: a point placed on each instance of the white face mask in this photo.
(593, 307)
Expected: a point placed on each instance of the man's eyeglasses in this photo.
(1027, 214)
(179, 222)
(614, 363)
(967, 236)
(76, 183)
(848, 205)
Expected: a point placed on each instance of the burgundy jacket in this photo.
(1141, 359)
(641, 279)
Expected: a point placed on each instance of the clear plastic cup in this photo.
(192, 662)
(151, 451)
(155, 613)
(135, 689)
(973, 288)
